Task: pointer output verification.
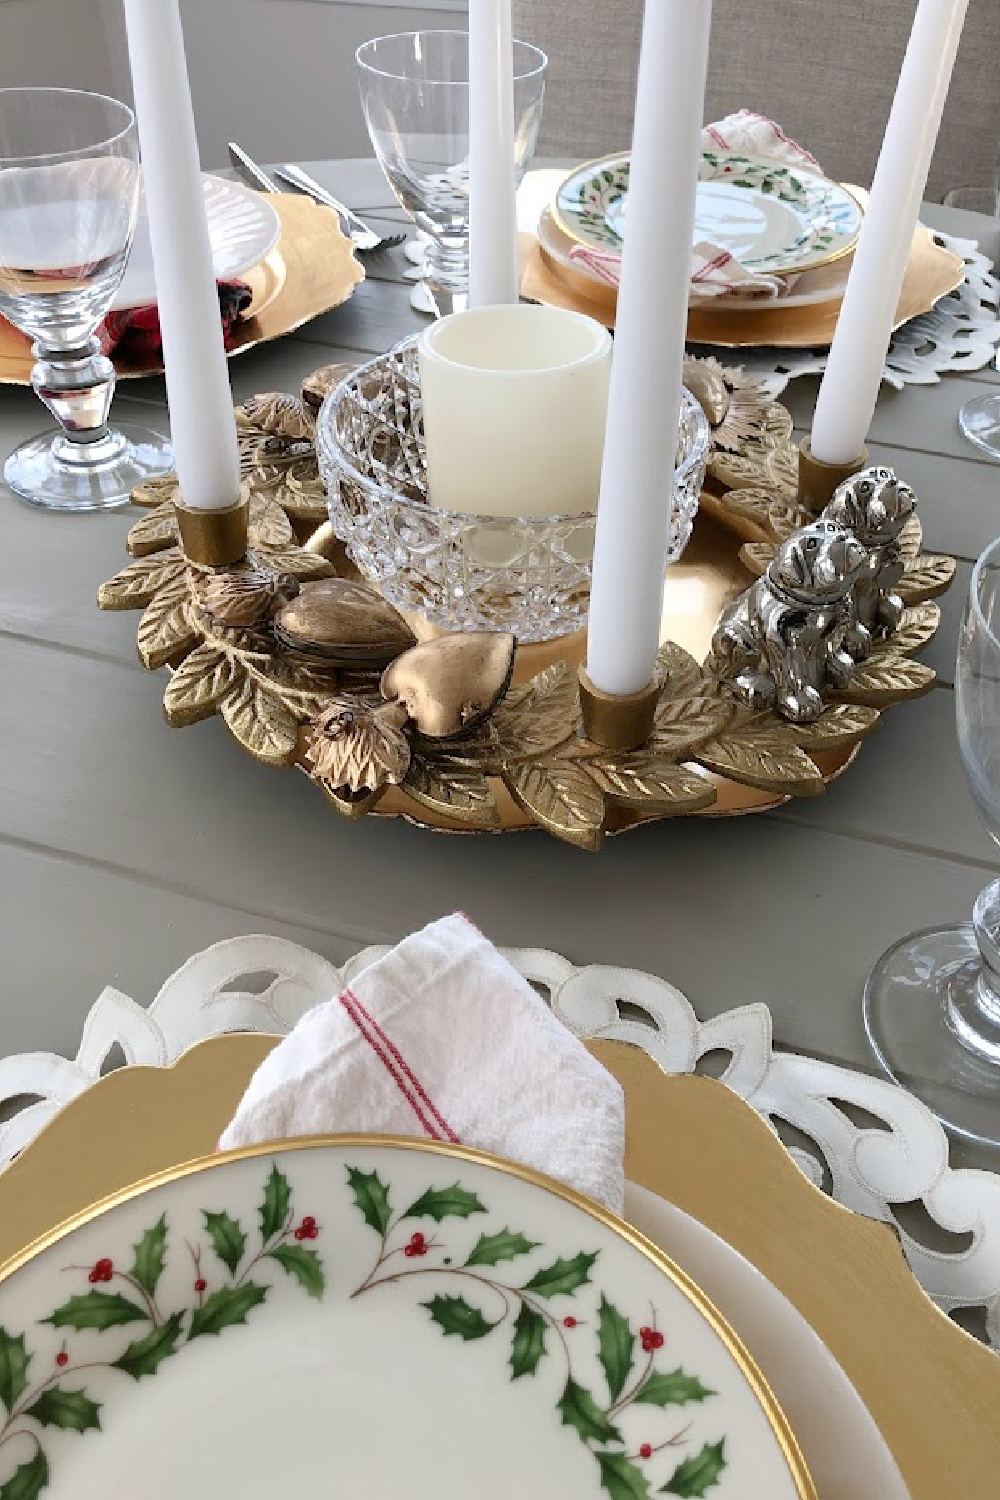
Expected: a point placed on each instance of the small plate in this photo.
(772, 218)
(373, 1317)
(243, 227)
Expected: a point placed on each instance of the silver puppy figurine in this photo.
(782, 642)
(874, 506)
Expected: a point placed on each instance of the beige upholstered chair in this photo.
(824, 69)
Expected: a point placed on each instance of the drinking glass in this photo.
(69, 187)
(979, 420)
(415, 97)
(932, 1002)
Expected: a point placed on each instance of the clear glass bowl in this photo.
(529, 575)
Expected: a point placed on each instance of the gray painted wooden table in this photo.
(125, 845)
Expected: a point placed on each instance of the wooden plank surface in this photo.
(124, 845)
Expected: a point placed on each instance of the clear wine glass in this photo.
(932, 1002)
(415, 97)
(69, 189)
(979, 420)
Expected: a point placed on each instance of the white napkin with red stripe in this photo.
(714, 272)
(443, 1038)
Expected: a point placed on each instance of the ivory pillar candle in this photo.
(644, 401)
(493, 270)
(846, 401)
(203, 428)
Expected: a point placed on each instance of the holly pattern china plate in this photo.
(771, 217)
(380, 1318)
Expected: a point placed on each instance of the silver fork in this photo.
(363, 237)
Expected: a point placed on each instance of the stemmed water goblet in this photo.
(932, 1002)
(69, 192)
(415, 97)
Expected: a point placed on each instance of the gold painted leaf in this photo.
(706, 382)
(561, 798)
(759, 467)
(196, 688)
(157, 491)
(757, 557)
(911, 538)
(838, 726)
(268, 525)
(677, 670)
(153, 532)
(295, 560)
(784, 520)
(649, 782)
(918, 626)
(886, 679)
(748, 505)
(928, 575)
(351, 805)
(305, 691)
(136, 585)
(166, 629)
(682, 724)
(762, 753)
(540, 715)
(261, 722)
(460, 791)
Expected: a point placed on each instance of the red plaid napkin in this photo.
(136, 330)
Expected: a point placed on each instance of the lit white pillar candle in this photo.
(846, 401)
(633, 514)
(203, 428)
(492, 212)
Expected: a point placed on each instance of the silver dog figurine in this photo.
(783, 641)
(873, 506)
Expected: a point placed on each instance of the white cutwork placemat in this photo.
(961, 333)
(898, 1155)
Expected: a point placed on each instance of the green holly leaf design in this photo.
(671, 1388)
(276, 1205)
(615, 1343)
(372, 1197)
(579, 1409)
(563, 1277)
(621, 1479)
(529, 1342)
(228, 1239)
(225, 1308)
(148, 1256)
(455, 1315)
(97, 1310)
(14, 1362)
(445, 1203)
(72, 1410)
(27, 1481)
(490, 1249)
(304, 1265)
(144, 1356)
(695, 1475)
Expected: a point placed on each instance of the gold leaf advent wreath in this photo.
(272, 698)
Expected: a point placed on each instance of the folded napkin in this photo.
(443, 1038)
(136, 330)
(714, 272)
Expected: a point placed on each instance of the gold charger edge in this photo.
(932, 1390)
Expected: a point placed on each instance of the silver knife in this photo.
(249, 172)
(363, 236)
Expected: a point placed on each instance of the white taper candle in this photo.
(633, 514)
(846, 401)
(203, 428)
(493, 272)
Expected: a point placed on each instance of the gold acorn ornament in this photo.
(354, 752)
(243, 597)
(344, 621)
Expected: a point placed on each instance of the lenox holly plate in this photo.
(769, 216)
(379, 1318)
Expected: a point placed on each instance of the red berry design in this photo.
(569, 1322)
(62, 1358)
(308, 1223)
(307, 1230)
(651, 1340)
(646, 1451)
(417, 1245)
(103, 1271)
(201, 1284)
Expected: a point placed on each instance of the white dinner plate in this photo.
(844, 1451)
(243, 227)
(367, 1317)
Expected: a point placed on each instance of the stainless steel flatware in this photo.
(364, 238)
(249, 172)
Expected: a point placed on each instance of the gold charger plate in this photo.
(311, 269)
(932, 1390)
(932, 272)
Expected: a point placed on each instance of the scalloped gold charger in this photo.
(311, 270)
(933, 1391)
